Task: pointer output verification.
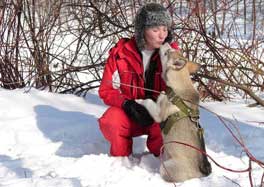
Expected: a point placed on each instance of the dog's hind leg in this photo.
(205, 166)
(173, 171)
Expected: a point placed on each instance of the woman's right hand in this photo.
(138, 113)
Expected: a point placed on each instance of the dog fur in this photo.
(181, 162)
(161, 109)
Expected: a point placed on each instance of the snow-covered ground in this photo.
(53, 140)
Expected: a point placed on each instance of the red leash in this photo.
(250, 156)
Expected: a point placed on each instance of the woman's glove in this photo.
(137, 112)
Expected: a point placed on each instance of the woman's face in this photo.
(155, 36)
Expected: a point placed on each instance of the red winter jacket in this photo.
(124, 65)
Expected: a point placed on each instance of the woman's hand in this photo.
(137, 112)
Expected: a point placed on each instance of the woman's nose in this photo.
(162, 35)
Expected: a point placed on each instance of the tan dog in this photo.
(179, 109)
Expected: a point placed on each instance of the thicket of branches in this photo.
(61, 45)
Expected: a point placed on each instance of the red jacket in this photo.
(124, 65)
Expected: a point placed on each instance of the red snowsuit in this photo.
(124, 65)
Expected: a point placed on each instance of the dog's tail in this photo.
(205, 167)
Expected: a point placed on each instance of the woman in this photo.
(134, 64)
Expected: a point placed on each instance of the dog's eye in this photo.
(166, 53)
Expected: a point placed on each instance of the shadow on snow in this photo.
(219, 139)
(16, 166)
(78, 132)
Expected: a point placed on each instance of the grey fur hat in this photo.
(151, 15)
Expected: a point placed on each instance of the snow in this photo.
(53, 140)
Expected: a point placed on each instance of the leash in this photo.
(206, 154)
(185, 111)
(249, 169)
(250, 156)
(138, 87)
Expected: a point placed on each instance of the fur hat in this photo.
(151, 15)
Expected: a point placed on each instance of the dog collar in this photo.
(185, 111)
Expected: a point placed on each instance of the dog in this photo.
(178, 110)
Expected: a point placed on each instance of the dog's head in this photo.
(173, 59)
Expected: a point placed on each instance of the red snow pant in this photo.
(119, 130)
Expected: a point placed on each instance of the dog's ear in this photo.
(193, 67)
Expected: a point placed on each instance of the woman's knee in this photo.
(113, 123)
(154, 141)
(113, 115)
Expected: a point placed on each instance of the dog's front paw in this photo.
(140, 101)
(152, 108)
(162, 97)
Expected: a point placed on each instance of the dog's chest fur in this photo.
(181, 84)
